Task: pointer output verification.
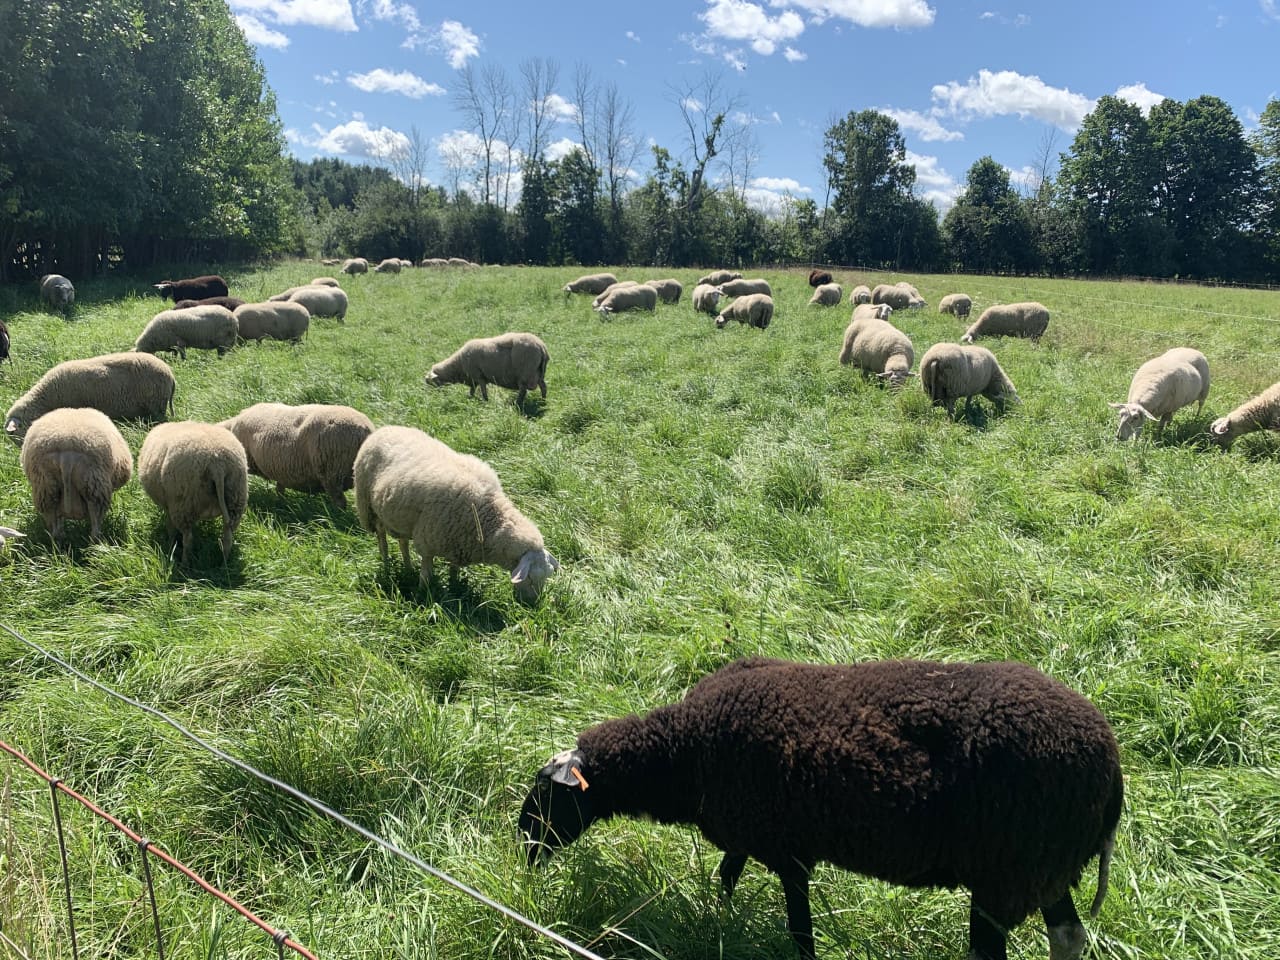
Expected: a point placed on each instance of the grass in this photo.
(710, 494)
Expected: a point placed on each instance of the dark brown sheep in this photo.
(229, 302)
(195, 288)
(818, 277)
(991, 776)
(4, 341)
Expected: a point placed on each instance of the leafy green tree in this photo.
(578, 226)
(1266, 144)
(988, 230)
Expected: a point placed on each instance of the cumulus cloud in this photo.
(457, 42)
(1008, 92)
(741, 20)
(867, 13)
(744, 119)
(692, 104)
(259, 34)
(933, 183)
(325, 14)
(401, 13)
(793, 55)
(1137, 93)
(771, 195)
(384, 81)
(631, 35)
(558, 108)
(328, 79)
(560, 149)
(926, 125)
(355, 138)
(1270, 8)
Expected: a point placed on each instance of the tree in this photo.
(988, 230)
(1266, 145)
(486, 101)
(705, 106)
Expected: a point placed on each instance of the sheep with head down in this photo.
(622, 298)
(209, 327)
(1259, 413)
(951, 371)
(516, 361)
(1028, 319)
(592, 283)
(754, 310)
(877, 347)
(1161, 387)
(826, 295)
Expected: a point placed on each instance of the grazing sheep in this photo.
(956, 304)
(388, 266)
(405, 263)
(57, 293)
(326, 282)
(988, 776)
(272, 321)
(194, 288)
(195, 471)
(517, 361)
(7, 534)
(1161, 387)
(201, 328)
(461, 262)
(860, 294)
(716, 277)
(877, 347)
(450, 504)
(754, 309)
(331, 261)
(231, 303)
(4, 341)
(949, 371)
(619, 299)
(881, 311)
(1010, 320)
(900, 298)
(75, 459)
(124, 386)
(311, 447)
(322, 301)
(592, 283)
(743, 288)
(706, 299)
(434, 262)
(603, 295)
(909, 287)
(668, 290)
(819, 278)
(826, 295)
(1260, 413)
(355, 265)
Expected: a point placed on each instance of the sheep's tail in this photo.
(1104, 873)
(930, 375)
(64, 471)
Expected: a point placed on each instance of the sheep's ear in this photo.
(521, 573)
(565, 768)
(1217, 428)
(11, 426)
(1145, 412)
(1117, 406)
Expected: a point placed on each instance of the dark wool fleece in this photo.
(818, 277)
(989, 776)
(196, 288)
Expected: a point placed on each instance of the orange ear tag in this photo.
(581, 779)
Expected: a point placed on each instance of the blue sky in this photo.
(964, 79)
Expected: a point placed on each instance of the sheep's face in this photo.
(559, 807)
(1219, 432)
(1132, 416)
(433, 379)
(15, 430)
(531, 573)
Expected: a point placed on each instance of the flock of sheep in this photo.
(992, 777)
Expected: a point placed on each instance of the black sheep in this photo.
(818, 277)
(992, 776)
(4, 341)
(229, 302)
(195, 288)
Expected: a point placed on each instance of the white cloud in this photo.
(384, 81)
(1008, 92)
(741, 20)
(355, 138)
(328, 79)
(1138, 93)
(459, 43)
(1270, 8)
(1022, 20)
(866, 13)
(692, 104)
(744, 119)
(631, 35)
(1026, 179)
(560, 149)
(793, 55)
(734, 59)
(929, 127)
(771, 195)
(779, 184)
(401, 13)
(259, 34)
(325, 14)
(986, 15)
(933, 183)
(560, 109)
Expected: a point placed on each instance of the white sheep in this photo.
(324, 282)
(826, 295)
(516, 361)
(619, 299)
(743, 288)
(391, 265)
(949, 371)
(716, 277)
(956, 304)
(860, 294)
(405, 263)
(1027, 319)
(1161, 387)
(311, 447)
(272, 321)
(880, 311)
(668, 290)
(900, 298)
(195, 471)
(706, 299)
(460, 262)
(355, 265)
(434, 262)
(754, 309)
(124, 386)
(451, 505)
(208, 327)
(58, 293)
(75, 459)
(878, 348)
(603, 295)
(1259, 413)
(322, 301)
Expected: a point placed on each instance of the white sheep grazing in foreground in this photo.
(1161, 387)
(619, 299)
(322, 301)
(75, 459)
(706, 299)
(878, 348)
(124, 386)
(603, 295)
(900, 298)
(716, 277)
(195, 471)
(878, 311)
(57, 292)
(826, 295)
(1010, 320)
(517, 361)
(668, 290)
(311, 447)
(949, 371)
(392, 265)
(1260, 413)
(743, 288)
(754, 309)
(592, 283)
(206, 327)
(272, 321)
(956, 304)
(451, 505)
(324, 282)
(355, 265)
(860, 294)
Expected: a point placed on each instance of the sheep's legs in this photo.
(986, 934)
(1066, 932)
(382, 543)
(795, 885)
(731, 868)
(524, 391)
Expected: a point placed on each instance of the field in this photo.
(710, 494)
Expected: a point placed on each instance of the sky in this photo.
(1011, 79)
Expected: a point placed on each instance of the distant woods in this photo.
(135, 132)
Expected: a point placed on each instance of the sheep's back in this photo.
(176, 466)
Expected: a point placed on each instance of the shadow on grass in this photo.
(207, 564)
(75, 536)
(1193, 433)
(456, 598)
(297, 509)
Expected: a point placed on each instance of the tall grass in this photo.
(710, 494)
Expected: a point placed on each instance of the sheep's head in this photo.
(15, 429)
(1131, 419)
(531, 573)
(433, 378)
(165, 287)
(1220, 432)
(559, 808)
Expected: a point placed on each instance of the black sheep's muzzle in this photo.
(559, 807)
